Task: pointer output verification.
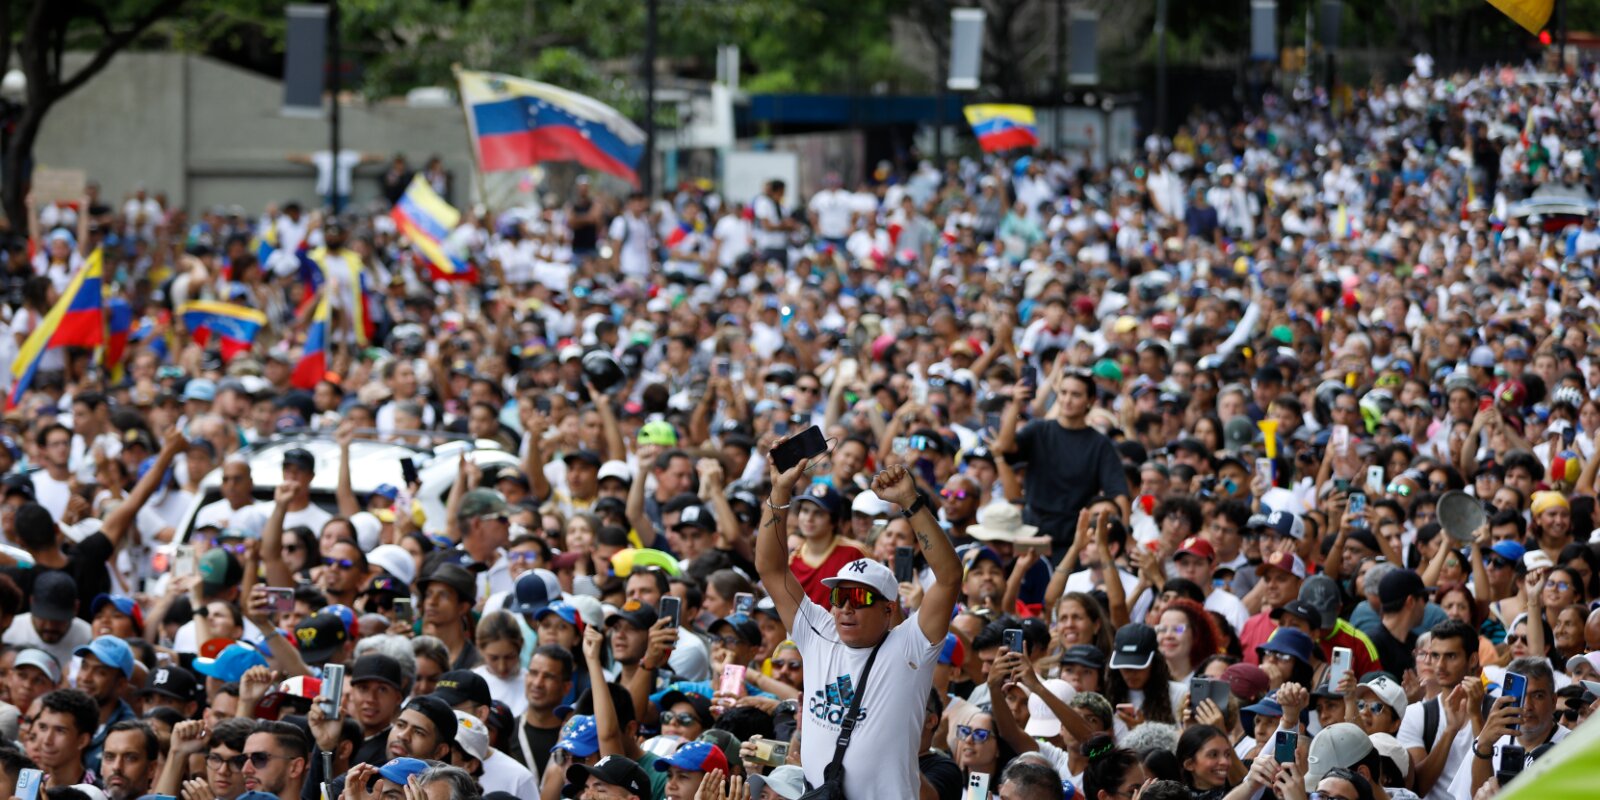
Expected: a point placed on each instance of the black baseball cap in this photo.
(634, 613)
(463, 686)
(442, 716)
(377, 667)
(1300, 608)
(174, 682)
(55, 596)
(1399, 585)
(300, 457)
(1084, 655)
(1134, 647)
(320, 636)
(616, 771)
(745, 627)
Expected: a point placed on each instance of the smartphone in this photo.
(1013, 639)
(670, 608)
(28, 783)
(807, 444)
(1341, 485)
(770, 752)
(1515, 687)
(901, 445)
(1199, 691)
(1512, 759)
(1339, 667)
(1284, 745)
(1375, 480)
(977, 787)
(1339, 440)
(732, 682)
(1358, 508)
(1030, 376)
(404, 612)
(780, 426)
(408, 470)
(183, 561)
(720, 367)
(1486, 402)
(1265, 470)
(744, 603)
(332, 695)
(282, 599)
(902, 565)
(1568, 436)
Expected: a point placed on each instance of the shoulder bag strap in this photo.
(847, 726)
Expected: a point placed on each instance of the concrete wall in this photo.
(207, 133)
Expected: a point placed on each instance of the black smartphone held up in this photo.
(1013, 639)
(670, 608)
(1030, 376)
(1284, 745)
(408, 470)
(902, 564)
(804, 445)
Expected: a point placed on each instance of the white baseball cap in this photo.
(616, 469)
(787, 782)
(1042, 722)
(867, 572)
(472, 735)
(394, 559)
(870, 504)
(1388, 692)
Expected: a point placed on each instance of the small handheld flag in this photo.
(76, 320)
(234, 325)
(1002, 127)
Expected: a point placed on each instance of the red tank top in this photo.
(811, 577)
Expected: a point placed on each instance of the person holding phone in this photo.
(836, 644)
(1531, 725)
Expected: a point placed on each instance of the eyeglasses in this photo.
(260, 760)
(728, 641)
(236, 549)
(1436, 486)
(1399, 489)
(785, 664)
(1560, 586)
(978, 735)
(683, 719)
(235, 763)
(1280, 656)
(1517, 638)
(338, 563)
(1496, 562)
(953, 494)
(1370, 707)
(1175, 630)
(857, 596)
(523, 557)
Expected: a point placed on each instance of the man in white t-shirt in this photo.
(830, 211)
(1535, 725)
(51, 485)
(836, 644)
(1453, 651)
(630, 237)
(772, 224)
(1196, 560)
(299, 467)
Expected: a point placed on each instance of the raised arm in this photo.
(343, 492)
(616, 449)
(896, 485)
(772, 544)
(277, 571)
(613, 741)
(534, 424)
(1006, 442)
(1068, 563)
(120, 521)
(1116, 597)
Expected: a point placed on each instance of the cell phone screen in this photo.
(903, 564)
(408, 470)
(670, 610)
(807, 444)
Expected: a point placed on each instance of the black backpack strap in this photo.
(1430, 722)
(847, 725)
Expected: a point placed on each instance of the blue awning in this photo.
(850, 110)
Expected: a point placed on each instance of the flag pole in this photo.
(472, 141)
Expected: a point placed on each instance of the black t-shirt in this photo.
(942, 773)
(585, 234)
(86, 563)
(1395, 655)
(540, 740)
(1066, 468)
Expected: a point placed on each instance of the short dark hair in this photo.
(558, 654)
(1034, 780)
(659, 575)
(1458, 630)
(13, 761)
(746, 722)
(152, 743)
(1510, 516)
(230, 733)
(287, 736)
(85, 712)
(35, 527)
(171, 716)
(44, 433)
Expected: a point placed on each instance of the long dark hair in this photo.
(1157, 698)
(1108, 765)
(1192, 741)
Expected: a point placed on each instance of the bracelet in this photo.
(784, 507)
(1489, 756)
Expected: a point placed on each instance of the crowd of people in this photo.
(1259, 465)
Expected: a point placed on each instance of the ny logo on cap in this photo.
(859, 565)
(819, 490)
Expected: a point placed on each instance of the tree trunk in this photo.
(14, 191)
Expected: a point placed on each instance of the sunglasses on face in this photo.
(977, 735)
(523, 557)
(1496, 562)
(260, 760)
(1370, 707)
(953, 494)
(291, 548)
(728, 641)
(338, 563)
(1517, 638)
(1561, 586)
(1436, 486)
(682, 719)
(857, 596)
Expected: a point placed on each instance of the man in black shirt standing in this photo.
(1404, 598)
(1068, 462)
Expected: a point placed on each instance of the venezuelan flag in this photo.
(313, 363)
(516, 123)
(1532, 15)
(76, 320)
(426, 220)
(119, 324)
(1002, 127)
(236, 326)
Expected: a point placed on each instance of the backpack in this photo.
(1430, 722)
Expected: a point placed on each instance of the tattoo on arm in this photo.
(924, 540)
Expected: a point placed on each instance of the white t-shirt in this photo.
(832, 207)
(223, 515)
(312, 516)
(768, 212)
(733, 239)
(51, 493)
(502, 773)
(633, 248)
(1230, 607)
(881, 760)
(1410, 736)
(323, 161)
(22, 634)
(509, 692)
(1083, 581)
(184, 640)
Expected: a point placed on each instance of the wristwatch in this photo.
(1489, 756)
(920, 503)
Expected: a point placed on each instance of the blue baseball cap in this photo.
(124, 605)
(201, 389)
(560, 609)
(398, 771)
(695, 756)
(232, 663)
(535, 590)
(1509, 550)
(824, 497)
(387, 490)
(110, 651)
(1267, 706)
(579, 737)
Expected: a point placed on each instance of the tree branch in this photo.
(115, 42)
